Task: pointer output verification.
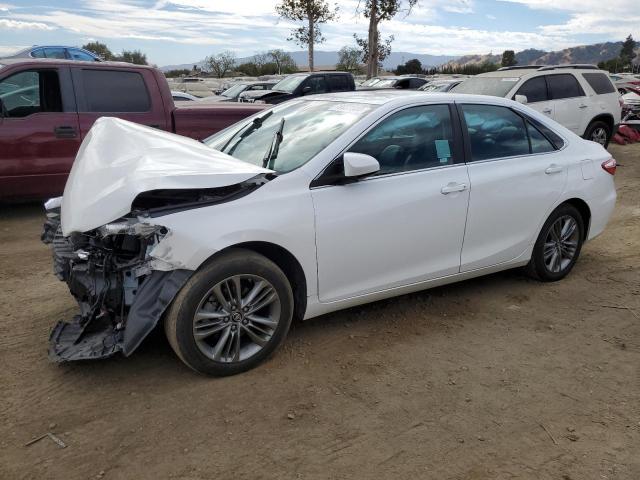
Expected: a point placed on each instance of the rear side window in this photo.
(564, 86)
(338, 83)
(535, 90)
(77, 54)
(539, 143)
(55, 52)
(115, 91)
(599, 82)
(495, 132)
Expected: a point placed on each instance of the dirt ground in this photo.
(495, 378)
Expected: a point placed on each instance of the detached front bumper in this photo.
(121, 298)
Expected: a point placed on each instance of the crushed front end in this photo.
(109, 272)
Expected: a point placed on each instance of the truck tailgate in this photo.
(200, 121)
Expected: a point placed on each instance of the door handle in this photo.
(65, 132)
(453, 187)
(547, 111)
(582, 106)
(553, 168)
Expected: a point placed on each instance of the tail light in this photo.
(609, 166)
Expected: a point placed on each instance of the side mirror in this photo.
(521, 99)
(306, 90)
(358, 165)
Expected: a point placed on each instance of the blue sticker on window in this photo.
(443, 150)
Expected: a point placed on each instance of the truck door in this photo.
(39, 131)
(125, 93)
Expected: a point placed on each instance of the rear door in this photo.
(536, 91)
(570, 101)
(39, 132)
(124, 93)
(516, 175)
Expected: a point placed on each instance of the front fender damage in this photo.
(121, 296)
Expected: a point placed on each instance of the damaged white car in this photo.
(318, 204)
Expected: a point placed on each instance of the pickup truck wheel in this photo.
(598, 132)
(231, 315)
(558, 245)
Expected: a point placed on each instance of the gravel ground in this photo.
(495, 378)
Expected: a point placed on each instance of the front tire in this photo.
(231, 315)
(599, 132)
(558, 245)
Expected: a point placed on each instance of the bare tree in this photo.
(283, 61)
(221, 63)
(314, 12)
(378, 11)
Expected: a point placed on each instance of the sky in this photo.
(185, 31)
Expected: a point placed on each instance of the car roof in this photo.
(60, 61)
(404, 97)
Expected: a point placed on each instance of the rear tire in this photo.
(558, 245)
(231, 314)
(598, 132)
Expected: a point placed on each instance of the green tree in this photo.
(314, 13)
(221, 63)
(177, 73)
(99, 49)
(378, 11)
(627, 53)
(348, 60)
(411, 67)
(509, 58)
(384, 50)
(132, 56)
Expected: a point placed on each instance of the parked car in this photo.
(232, 94)
(580, 97)
(57, 52)
(440, 85)
(48, 107)
(183, 96)
(300, 84)
(318, 204)
(404, 82)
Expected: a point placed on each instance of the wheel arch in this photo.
(286, 261)
(585, 213)
(604, 117)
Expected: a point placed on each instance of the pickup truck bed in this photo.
(48, 106)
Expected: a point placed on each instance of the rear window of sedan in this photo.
(495, 86)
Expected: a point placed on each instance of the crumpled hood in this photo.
(119, 160)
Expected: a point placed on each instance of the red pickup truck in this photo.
(47, 106)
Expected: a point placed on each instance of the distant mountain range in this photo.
(582, 54)
(329, 59)
(592, 54)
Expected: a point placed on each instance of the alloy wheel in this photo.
(599, 135)
(236, 318)
(561, 244)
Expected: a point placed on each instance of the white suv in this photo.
(579, 97)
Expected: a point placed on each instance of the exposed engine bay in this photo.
(108, 272)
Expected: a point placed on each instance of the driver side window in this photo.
(30, 92)
(412, 139)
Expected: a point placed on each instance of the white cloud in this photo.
(10, 49)
(7, 23)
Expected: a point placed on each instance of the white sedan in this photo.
(318, 204)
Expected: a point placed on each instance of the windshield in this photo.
(289, 84)
(495, 86)
(371, 81)
(385, 83)
(308, 128)
(234, 91)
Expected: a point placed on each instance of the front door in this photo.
(39, 133)
(516, 177)
(405, 224)
(535, 89)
